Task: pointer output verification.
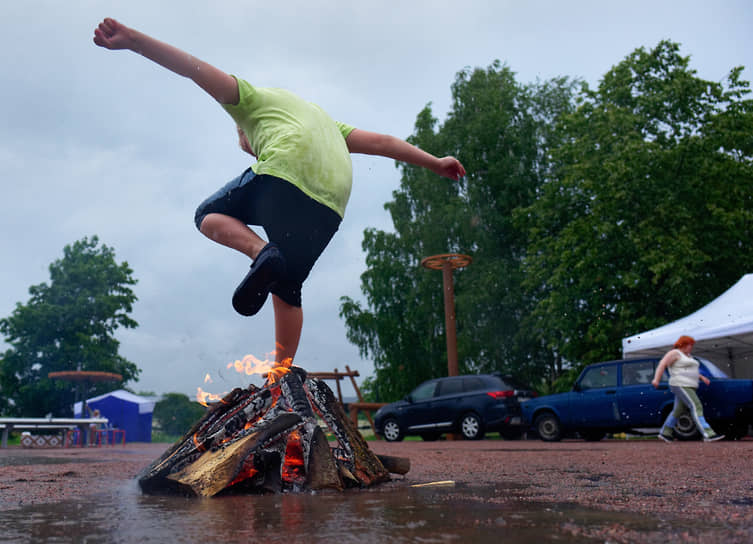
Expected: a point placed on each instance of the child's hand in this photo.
(450, 167)
(112, 35)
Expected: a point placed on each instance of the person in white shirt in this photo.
(683, 382)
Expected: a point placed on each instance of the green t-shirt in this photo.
(297, 141)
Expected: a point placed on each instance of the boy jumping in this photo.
(297, 189)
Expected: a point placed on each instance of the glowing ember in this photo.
(245, 474)
(293, 469)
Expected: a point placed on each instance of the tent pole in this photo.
(730, 363)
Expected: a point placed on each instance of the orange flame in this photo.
(199, 446)
(272, 370)
(204, 397)
(249, 365)
(278, 371)
(252, 365)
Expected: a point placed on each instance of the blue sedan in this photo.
(617, 396)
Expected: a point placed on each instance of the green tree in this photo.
(68, 324)
(648, 211)
(176, 413)
(500, 130)
(505, 131)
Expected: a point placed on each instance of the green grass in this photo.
(162, 438)
(14, 439)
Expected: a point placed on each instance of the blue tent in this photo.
(124, 410)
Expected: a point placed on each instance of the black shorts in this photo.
(298, 224)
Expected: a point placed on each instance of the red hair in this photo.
(684, 341)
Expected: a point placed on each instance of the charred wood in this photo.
(396, 465)
(216, 470)
(268, 439)
(360, 460)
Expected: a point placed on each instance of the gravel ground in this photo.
(703, 492)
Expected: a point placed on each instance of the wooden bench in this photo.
(366, 408)
(353, 407)
(9, 424)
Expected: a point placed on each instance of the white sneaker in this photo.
(713, 438)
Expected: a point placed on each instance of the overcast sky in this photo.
(107, 143)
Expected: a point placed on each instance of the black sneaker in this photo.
(266, 270)
(666, 438)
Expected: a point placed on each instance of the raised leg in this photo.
(288, 324)
(232, 233)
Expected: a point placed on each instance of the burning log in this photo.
(268, 439)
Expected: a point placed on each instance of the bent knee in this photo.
(199, 216)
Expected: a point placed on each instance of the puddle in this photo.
(390, 514)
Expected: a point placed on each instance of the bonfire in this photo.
(270, 439)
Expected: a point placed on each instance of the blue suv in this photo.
(470, 405)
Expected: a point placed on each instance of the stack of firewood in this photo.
(270, 439)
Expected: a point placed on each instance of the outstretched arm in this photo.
(221, 86)
(372, 143)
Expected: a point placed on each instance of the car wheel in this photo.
(471, 427)
(392, 431)
(430, 437)
(685, 428)
(548, 427)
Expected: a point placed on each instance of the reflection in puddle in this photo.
(390, 514)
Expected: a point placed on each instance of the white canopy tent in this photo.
(723, 330)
